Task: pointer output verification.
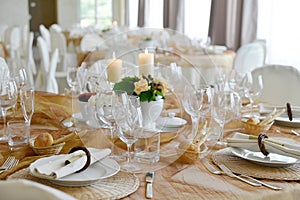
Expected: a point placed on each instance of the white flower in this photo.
(141, 86)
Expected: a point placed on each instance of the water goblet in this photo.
(8, 98)
(197, 102)
(223, 110)
(253, 87)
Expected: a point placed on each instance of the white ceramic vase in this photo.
(151, 111)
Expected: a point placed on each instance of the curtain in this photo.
(174, 15)
(233, 22)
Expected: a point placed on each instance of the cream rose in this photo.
(141, 86)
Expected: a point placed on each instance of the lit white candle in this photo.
(146, 63)
(114, 69)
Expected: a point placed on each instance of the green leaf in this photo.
(127, 86)
(132, 79)
(145, 96)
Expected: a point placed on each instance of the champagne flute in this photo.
(27, 103)
(72, 79)
(223, 110)
(128, 119)
(104, 114)
(8, 98)
(197, 102)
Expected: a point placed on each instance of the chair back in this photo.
(249, 56)
(52, 85)
(41, 79)
(46, 35)
(280, 84)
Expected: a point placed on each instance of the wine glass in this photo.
(27, 103)
(253, 87)
(127, 113)
(8, 98)
(197, 102)
(104, 114)
(223, 110)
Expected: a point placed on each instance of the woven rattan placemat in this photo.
(242, 166)
(118, 186)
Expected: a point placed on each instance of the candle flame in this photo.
(114, 55)
(146, 51)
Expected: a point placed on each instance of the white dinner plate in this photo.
(170, 122)
(27, 189)
(283, 120)
(78, 116)
(93, 124)
(102, 169)
(272, 160)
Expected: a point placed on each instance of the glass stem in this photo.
(195, 123)
(129, 152)
(112, 129)
(221, 139)
(3, 111)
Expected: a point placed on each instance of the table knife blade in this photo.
(149, 182)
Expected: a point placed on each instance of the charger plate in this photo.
(241, 166)
(118, 186)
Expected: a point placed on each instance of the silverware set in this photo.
(247, 179)
(9, 163)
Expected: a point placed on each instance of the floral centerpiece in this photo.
(147, 88)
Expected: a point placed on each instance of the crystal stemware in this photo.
(197, 102)
(223, 110)
(128, 118)
(253, 87)
(27, 103)
(8, 98)
(104, 114)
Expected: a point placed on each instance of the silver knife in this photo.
(229, 173)
(149, 182)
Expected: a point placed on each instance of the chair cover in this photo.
(280, 84)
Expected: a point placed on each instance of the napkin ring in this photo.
(88, 156)
(261, 144)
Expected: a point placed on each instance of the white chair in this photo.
(280, 84)
(28, 58)
(46, 35)
(4, 70)
(52, 85)
(249, 56)
(3, 28)
(90, 42)
(55, 27)
(41, 79)
(13, 41)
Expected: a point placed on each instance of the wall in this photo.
(14, 12)
(68, 13)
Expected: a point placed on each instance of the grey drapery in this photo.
(233, 22)
(142, 13)
(174, 15)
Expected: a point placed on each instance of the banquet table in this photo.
(177, 180)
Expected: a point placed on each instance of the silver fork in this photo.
(7, 162)
(11, 162)
(214, 170)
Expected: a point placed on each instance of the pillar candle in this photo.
(146, 63)
(114, 69)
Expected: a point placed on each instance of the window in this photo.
(95, 12)
(196, 20)
(276, 24)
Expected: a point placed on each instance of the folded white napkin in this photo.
(56, 169)
(250, 143)
(265, 109)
